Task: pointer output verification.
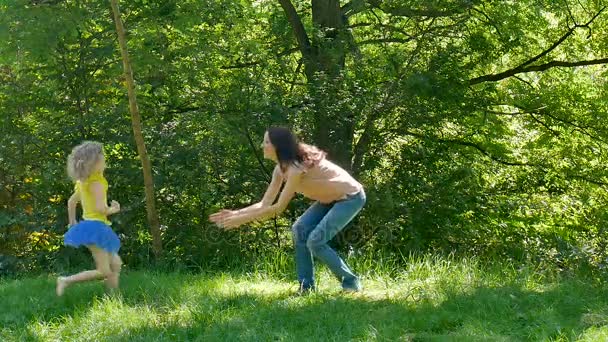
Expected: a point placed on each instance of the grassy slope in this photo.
(432, 300)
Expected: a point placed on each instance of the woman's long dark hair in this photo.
(290, 151)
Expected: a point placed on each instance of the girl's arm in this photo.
(100, 205)
(267, 200)
(266, 212)
(72, 202)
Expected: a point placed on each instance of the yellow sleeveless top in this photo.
(87, 200)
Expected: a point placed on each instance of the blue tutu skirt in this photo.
(90, 232)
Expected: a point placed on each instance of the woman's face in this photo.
(268, 147)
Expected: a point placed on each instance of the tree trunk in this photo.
(153, 219)
(333, 123)
(324, 58)
(329, 44)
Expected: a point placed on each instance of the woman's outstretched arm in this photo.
(267, 200)
(264, 212)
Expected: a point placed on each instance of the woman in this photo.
(338, 198)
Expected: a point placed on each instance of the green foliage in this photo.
(512, 167)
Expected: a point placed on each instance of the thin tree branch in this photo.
(586, 179)
(544, 124)
(565, 64)
(297, 26)
(485, 152)
(386, 26)
(45, 2)
(541, 67)
(385, 40)
(525, 66)
(428, 13)
(489, 20)
(353, 7)
(578, 127)
(367, 137)
(524, 81)
(241, 65)
(473, 145)
(254, 63)
(563, 175)
(551, 48)
(295, 75)
(253, 150)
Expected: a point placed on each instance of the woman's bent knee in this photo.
(298, 231)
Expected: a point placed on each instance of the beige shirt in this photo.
(325, 182)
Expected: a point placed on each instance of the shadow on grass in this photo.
(505, 313)
(497, 314)
(24, 302)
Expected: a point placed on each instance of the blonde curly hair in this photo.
(83, 159)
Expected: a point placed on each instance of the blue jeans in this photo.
(313, 230)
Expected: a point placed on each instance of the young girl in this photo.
(338, 198)
(86, 164)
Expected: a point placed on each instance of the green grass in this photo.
(433, 299)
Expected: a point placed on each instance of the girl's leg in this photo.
(336, 219)
(115, 266)
(102, 271)
(301, 230)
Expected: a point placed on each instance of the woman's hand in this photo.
(228, 219)
(221, 215)
(234, 221)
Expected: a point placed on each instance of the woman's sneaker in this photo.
(351, 285)
(306, 289)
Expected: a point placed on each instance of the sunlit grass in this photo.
(431, 299)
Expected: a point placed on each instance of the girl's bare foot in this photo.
(61, 285)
